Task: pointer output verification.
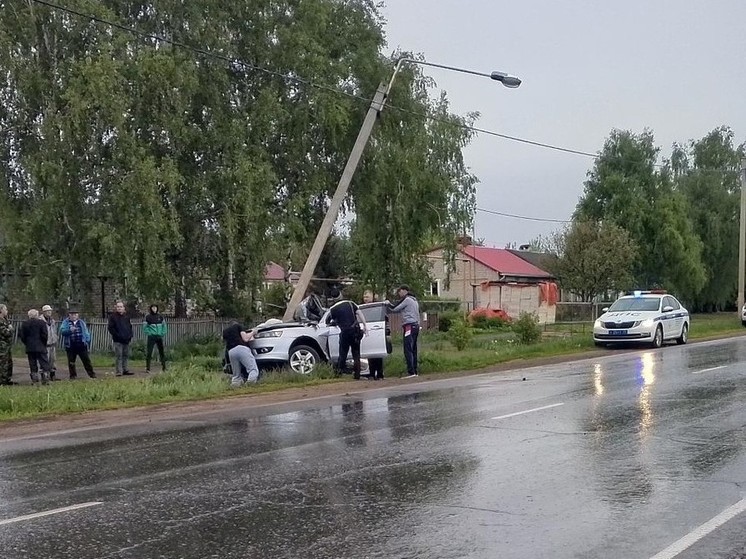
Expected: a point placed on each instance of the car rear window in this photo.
(636, 304)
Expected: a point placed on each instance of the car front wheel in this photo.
(658, 338)
(681, 340)
(303, 359)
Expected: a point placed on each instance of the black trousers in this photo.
(155, 341)
(411, 333)
(349, 340)
(38, 360)
(75, 351)
(375, 364)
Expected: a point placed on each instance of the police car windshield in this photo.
(636, 304)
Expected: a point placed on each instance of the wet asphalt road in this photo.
(617, 457)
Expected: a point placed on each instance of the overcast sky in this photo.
(677, 67)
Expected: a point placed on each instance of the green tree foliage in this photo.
(706, 173)
(175, 172)
(625, 188)
(594, 258)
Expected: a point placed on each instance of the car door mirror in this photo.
(605, 309)
(667, 308)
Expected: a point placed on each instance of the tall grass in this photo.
(191, 381)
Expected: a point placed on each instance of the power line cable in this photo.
(524, 217)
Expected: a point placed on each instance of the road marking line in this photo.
(698, 533)
(709, 370)
(49, 512)
(527, 411)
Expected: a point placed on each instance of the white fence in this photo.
(179, 329)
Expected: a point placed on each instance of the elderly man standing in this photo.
(33, 334)
(6, 348)
(76, 338)
(52, 339)
(120, 329)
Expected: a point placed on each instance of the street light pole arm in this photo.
(434, 65)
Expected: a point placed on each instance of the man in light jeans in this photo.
(240, 355)
(52, 339)
(120, 329)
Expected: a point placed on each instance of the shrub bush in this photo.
(488, 323)
(461, 334)
(197, 346)
(446, 320)
(527, 328)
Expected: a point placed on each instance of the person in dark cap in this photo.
(409, 309)
(76, 338)
(352, 327)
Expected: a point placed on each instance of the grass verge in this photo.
(184, 382)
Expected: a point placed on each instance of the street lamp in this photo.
(376, 106)
(507, 80)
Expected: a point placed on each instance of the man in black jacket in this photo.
(352, 327)
(33, 334)
(120, 329)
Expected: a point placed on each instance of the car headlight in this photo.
(647, 323)
(269, 334)
(598, 324)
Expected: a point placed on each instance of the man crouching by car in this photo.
(346, 315)
(239, 354)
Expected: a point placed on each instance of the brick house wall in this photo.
(468, 273)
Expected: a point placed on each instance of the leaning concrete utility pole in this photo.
(375, 109)
(336, 203)
(742, 238)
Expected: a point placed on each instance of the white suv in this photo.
(643, 316)
(301, 346)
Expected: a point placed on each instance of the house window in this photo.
(435, 288)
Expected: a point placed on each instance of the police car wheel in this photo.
(681, 340)
(658, 337)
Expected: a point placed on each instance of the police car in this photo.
(651, 317)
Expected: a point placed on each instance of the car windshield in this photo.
(636, 304)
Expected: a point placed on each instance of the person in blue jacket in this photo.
(75, 339)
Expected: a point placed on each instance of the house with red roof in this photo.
(494, 278)
(273, 273)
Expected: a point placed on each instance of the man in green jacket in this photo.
(155, 330)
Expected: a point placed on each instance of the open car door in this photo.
(377, 342)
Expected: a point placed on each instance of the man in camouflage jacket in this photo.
(6, 346)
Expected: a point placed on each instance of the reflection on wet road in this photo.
(618, 457)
